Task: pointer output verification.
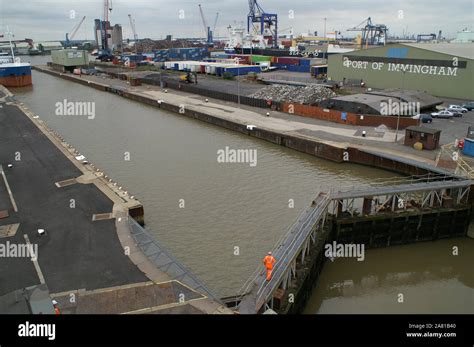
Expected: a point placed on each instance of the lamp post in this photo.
(238, 81)
(401, 97)
(325, 20)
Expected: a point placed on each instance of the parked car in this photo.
(469, 105)
(456, 108)
(425, 118)
(443, 114)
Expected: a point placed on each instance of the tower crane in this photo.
(73, 32)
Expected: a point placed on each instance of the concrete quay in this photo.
(88, 258)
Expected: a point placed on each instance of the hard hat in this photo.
(269, 253)
(54, 302)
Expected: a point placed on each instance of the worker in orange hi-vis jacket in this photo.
(56, 308)
(269, 261)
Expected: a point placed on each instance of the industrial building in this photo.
(69, 59)
(49, 46)
(441, 69)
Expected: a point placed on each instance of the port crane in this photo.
(372, 34)
(215, 24)
(257, 17)
(105, 27)
(73, 32)
(132, 24)
(207, 29)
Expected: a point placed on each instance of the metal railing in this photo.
(163, 260)
(291, 251)
(285, 253)
(395, 181)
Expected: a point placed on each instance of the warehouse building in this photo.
(440, 69)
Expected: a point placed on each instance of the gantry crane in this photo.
(372, 34)
(264, 21)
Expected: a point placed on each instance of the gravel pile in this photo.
(310, 94)
(148, 45)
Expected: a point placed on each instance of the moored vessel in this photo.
(14, 73)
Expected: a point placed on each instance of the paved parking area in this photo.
(453, 129)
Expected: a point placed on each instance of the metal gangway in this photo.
(257, 291)
(402, 193)
(428, 190)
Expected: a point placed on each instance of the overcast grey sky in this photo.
(50, 19)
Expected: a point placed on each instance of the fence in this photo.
(214, 94)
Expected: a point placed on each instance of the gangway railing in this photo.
(257, 290)
(429, 189)
(163, 260)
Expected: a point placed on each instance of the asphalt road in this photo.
(76, 253)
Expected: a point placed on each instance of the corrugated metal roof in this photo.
(426, 100)
(462, 50)
(425, 130)
(371, 100)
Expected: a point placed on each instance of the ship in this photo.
(313, 51)
(14, 73)
(241, 43)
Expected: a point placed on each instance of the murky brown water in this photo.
(235, 205)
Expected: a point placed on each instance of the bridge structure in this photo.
(418, 201)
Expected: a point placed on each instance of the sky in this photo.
(51, 19)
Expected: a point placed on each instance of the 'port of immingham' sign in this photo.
(415, 66)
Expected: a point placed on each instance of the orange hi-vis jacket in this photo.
(269, 261)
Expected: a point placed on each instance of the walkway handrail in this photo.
(290, 251)
(246, 288)
(184, 275)
(430, 177)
